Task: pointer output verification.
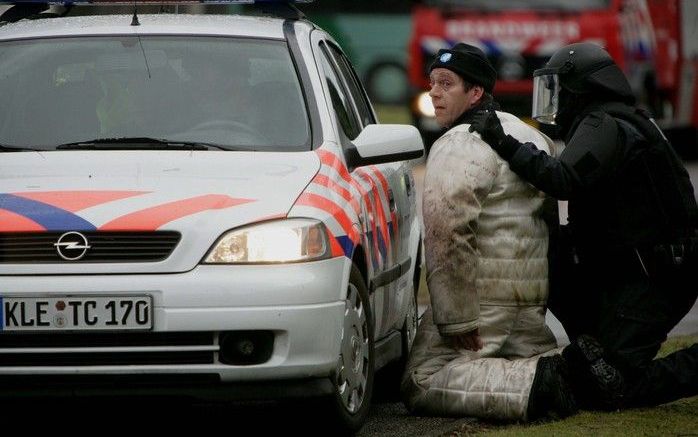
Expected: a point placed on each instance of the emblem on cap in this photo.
(445, 57)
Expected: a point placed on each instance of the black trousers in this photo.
(630, 312)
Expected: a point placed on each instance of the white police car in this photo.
(199, 202)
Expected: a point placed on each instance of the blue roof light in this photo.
(155, 2)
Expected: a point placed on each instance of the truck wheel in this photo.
(386, 83)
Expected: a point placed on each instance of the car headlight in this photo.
(424, 105)
(279, 241)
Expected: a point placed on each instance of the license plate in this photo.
(70, 313)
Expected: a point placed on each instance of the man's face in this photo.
(449, 97)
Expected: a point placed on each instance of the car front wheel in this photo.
(353, 377)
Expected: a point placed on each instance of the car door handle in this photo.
(391, 199)
(408, 184)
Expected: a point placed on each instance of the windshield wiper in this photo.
(9, 148)
(137, 143)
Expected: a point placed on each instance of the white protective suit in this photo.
(486, 256)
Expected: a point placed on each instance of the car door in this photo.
(387, 189)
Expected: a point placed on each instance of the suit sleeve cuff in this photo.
(452, 329)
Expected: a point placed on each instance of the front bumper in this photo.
(203, 386)
(301, 304)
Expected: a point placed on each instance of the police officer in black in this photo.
(624, 270)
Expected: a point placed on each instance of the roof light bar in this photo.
(158, 2)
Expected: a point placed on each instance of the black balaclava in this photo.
(568, 109)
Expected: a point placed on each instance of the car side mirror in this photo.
(381, 143)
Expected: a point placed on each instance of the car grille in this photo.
(104, 247)
(105, 349)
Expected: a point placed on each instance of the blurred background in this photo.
(392, 43)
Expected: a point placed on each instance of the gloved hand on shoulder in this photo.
(487, 124)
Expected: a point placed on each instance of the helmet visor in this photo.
(546, 94)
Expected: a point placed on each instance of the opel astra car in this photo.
(198, 202)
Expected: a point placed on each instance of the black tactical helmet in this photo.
(587, 68)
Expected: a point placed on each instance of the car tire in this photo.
(410, 329)
(353, 378)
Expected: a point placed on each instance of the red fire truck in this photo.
(654, 41)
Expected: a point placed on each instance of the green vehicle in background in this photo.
(374, 35)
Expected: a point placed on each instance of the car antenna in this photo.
(134, 20)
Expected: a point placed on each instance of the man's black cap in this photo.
(469, 62)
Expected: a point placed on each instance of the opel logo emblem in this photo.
(72, 246)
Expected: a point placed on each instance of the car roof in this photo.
(157, 24)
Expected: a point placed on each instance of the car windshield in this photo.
(242, 94)
(528, 5)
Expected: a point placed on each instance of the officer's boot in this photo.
(551, 395)
(596, 384)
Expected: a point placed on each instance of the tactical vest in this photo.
(655, 202)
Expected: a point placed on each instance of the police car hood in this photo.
(197, 194)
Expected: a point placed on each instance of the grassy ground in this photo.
(676, 418)
(393, 114)
(679, 418)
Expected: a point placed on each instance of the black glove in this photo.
(486, 123)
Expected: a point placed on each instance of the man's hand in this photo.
(487, 124)
(470, 340)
